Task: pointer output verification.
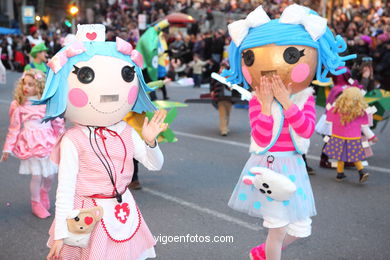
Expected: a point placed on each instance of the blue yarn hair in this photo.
(56, 89)
(273, 32)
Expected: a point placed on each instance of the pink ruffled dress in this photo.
(32, 140)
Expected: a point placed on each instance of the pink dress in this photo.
(92, 179)
(30, 139)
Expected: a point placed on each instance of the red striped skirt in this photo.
(101, 247)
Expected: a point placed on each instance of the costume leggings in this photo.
(340, 166)
(37, 183)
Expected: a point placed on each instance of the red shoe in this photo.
(258, 252)
(39, 210)
(45, 199)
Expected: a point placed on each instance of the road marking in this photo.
(312, 157)
(212, 139)
(203, 209)
(2, 101)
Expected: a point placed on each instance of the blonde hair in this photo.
(39, 78)
(350, 105)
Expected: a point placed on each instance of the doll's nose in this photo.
(108, 98)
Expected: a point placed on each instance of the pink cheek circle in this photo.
(78, 98)
(247, 75)
(133, 93)
(300, 72)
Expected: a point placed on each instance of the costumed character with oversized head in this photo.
(94, 84)
(278, 59)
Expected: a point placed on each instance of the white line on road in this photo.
(203, 209)
(312, 157)
(5, 101)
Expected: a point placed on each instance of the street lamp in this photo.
(73, 11)
(37, 18)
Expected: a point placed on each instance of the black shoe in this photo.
(363, 176)
(135, 185)
(310, 170)
(325, 164)
(340, 176)
(166, 98)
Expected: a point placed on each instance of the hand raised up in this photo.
(265, 95)
(151, 129)
(281, 92)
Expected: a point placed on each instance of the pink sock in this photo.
(47, 183)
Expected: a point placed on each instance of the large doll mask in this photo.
(95, 83)
(101, 91)
(297, 46)
(295, 64)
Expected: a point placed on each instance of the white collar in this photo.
(118, 127)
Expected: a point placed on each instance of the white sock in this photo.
(35, 186)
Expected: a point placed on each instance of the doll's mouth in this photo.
(268, 72)
(109, 98)
(111, 112)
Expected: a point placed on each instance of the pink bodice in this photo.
(27, 135)
(92, 178)
(350, 130)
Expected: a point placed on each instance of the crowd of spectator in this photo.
(365, 29)
(367, 33)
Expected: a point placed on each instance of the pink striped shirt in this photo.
(303, 122)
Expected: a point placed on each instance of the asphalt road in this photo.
(189, 196)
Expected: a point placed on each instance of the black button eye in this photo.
(269, 192)
(85, 75)
(76, 219)
(262, 191)
(265, 185)
(128, 73)
(249, 57)
(292, 55)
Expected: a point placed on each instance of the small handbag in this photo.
(272, 184)
(80, 225)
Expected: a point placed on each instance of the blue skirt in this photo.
(247, 199)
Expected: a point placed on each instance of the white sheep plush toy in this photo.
(270, 183)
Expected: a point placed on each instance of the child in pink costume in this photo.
(95, 84)
(32, 140)
(349, 119)
(340, 82)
